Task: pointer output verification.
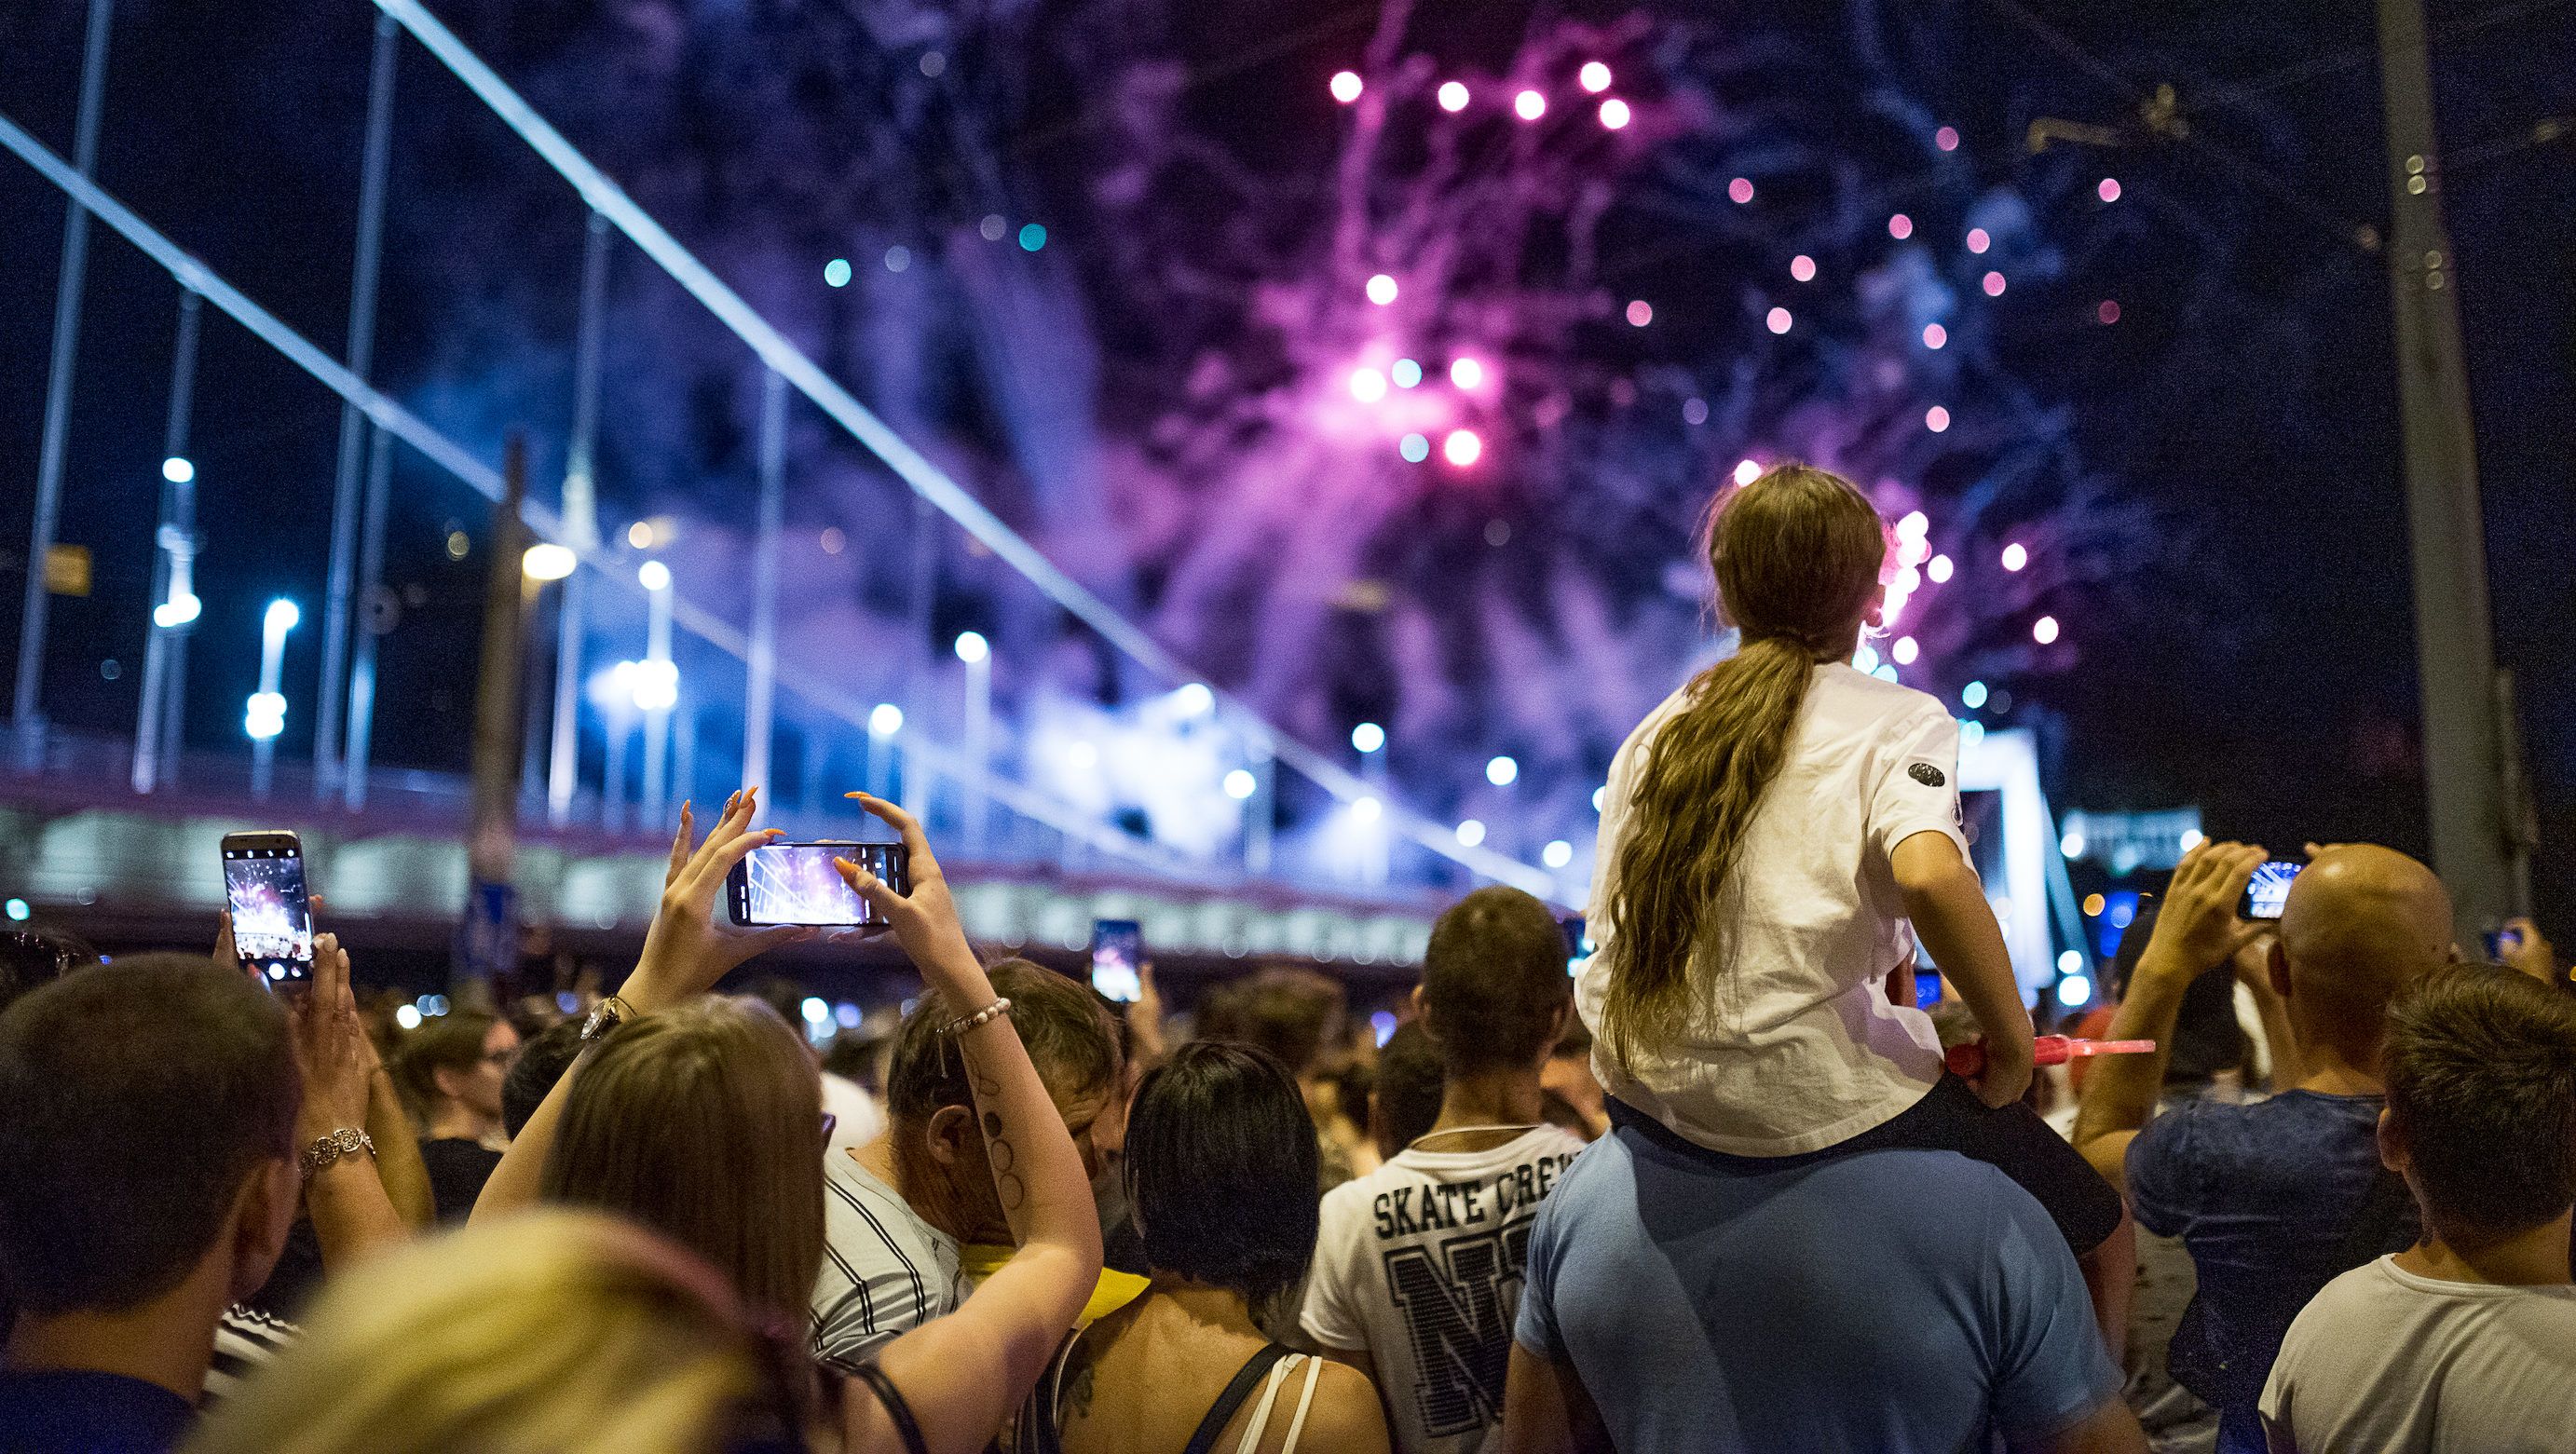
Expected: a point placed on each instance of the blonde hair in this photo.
(1797, 555)
(705, 1123)
(552, 1332)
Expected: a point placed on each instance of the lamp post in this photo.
(265, 715)
(174, 597)
(657, 685)
(977, 653)
(884, 722)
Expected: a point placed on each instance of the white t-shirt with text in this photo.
(2390, 1362)
(1795, 1047)
(1419, 1264)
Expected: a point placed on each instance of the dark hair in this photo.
(2481, 1074)
(30, 959)
(1405, 1100)
(1289, 1012)
(1221, 1169)
(442, 1042)
(1069, 1037)
(132, 1105)
(542, 1062)
(1494, 980)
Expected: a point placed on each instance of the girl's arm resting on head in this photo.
(1954, 921)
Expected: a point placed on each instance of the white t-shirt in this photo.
(1419, 1263)
(2388, 1362)
(857, 1119)
(1796, 1047)
(885, 1270)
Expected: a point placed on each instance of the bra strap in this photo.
(897, 1411)
(1222, 1412)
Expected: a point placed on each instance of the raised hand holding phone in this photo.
(689, 947)
(925, 920)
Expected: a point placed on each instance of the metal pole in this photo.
(174, 594)
(761, 690)
(487, 932)
(353, 424)
(979, 747)
(1261, 813)
(657, 720)
(612, 788)
(2465, 739)
(371, 584)
(580, 525)
(266, 715)
(23, 708)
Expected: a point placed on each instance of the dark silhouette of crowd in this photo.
(1714, 1187)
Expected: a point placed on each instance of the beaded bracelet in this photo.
(994, 1011)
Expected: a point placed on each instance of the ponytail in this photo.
(1797, 554)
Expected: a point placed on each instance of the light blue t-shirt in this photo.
(1877, 1302)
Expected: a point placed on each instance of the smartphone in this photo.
(2501, 942)
(1927, 988)
(272, 912)
(795, 883)
(1117, 950)
(2268, 890)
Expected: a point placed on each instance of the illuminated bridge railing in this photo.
(984, 769)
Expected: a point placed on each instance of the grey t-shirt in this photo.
(885, 1270)
(1843, 1303)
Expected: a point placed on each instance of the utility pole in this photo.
(2481, 823)
(487, 937)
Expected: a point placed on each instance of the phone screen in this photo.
(272, 914)
(1578, 944)
(795, 883)
(2268, 891)
(1927, 988)
(1117, 949)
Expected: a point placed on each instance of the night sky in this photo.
(2255, 657)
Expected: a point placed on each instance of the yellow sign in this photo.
(67, 570)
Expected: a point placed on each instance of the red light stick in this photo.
(1969, 1058)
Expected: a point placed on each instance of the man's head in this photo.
(1404, 1098)
(1295, 1014)
(147, 1135)
(456, 1064)
(2363, 923)
(2481, 1118)
(542, 1061)
(1494, 989)
(1070, 1039)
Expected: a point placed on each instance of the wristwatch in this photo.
(326, 1151)
(607, 1015)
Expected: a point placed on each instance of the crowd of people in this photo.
(1715, 1189)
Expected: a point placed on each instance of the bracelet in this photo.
(326, 1151)
(985, 1016)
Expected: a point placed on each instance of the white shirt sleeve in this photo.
(1328, 1316)
(1917, 790)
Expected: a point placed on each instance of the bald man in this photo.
(2274, 1199)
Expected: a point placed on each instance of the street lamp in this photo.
(977, 654)
(547, 561)
(265, 715)
(657, 687)
(884, 721)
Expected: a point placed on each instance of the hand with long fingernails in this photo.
(690, 946)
